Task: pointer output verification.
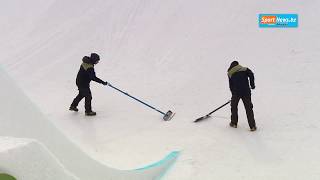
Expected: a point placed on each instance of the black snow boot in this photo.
(233, 125)
(91, 113)
(72, 108)
(253, 128)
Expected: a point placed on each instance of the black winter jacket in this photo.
(86, 74)
(238, 80)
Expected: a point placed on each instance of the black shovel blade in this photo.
(201, 118)
(168, 116)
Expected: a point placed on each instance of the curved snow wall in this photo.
(28, 159)
(21, 118)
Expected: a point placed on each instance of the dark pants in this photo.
(248, 106)
(83, 93)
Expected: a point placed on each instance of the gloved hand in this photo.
(105, 83)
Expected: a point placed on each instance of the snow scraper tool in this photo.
(208, 115)
(167, 116)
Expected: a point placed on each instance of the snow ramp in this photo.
(50, 144)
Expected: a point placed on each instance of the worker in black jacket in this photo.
(84, 77)
(239, 80)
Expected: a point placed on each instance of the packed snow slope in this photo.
(50, 152)
(29, 160)
(174, 54)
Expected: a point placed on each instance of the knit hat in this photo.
(95, 58)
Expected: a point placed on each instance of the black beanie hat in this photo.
(94, 57)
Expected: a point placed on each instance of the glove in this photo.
(105, 83)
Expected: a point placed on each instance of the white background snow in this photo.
(174, 55)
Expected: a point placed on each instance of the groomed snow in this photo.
(174, 55)
(29, 160)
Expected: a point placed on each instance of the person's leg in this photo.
(88, 97)
(234, 110)
(76, 101)
(249, 110)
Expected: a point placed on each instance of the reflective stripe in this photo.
(86, 66)
(235, 69)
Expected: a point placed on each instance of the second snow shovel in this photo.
(167, 116)
(208, 115)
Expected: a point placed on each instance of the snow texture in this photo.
(29, 160)
(174, 55)
(29, 122)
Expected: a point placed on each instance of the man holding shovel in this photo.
(85, 75)
(239, 80)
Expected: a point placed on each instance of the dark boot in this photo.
(72, 108)
(233, 125)
(253, 128)
(91, 113)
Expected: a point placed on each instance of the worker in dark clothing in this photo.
(85, 75)
(239, 80)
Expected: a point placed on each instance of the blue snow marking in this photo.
(170, 159)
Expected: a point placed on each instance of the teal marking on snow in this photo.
(170, 157)
(6, 177)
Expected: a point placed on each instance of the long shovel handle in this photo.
(219, 108)
(208, 115)
(136, 99)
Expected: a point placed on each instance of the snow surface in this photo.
(174, 55)
(29, 122)
(29, 160)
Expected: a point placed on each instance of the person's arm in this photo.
(93, 77)
(230, 84)
(251, 78)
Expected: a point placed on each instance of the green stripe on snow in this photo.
(6, 177)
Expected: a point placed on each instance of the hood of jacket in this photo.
(235, 69)
(86, 59)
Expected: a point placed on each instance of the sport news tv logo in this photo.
(278, 20)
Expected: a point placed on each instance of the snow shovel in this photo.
(167, 116)
(208, 115)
